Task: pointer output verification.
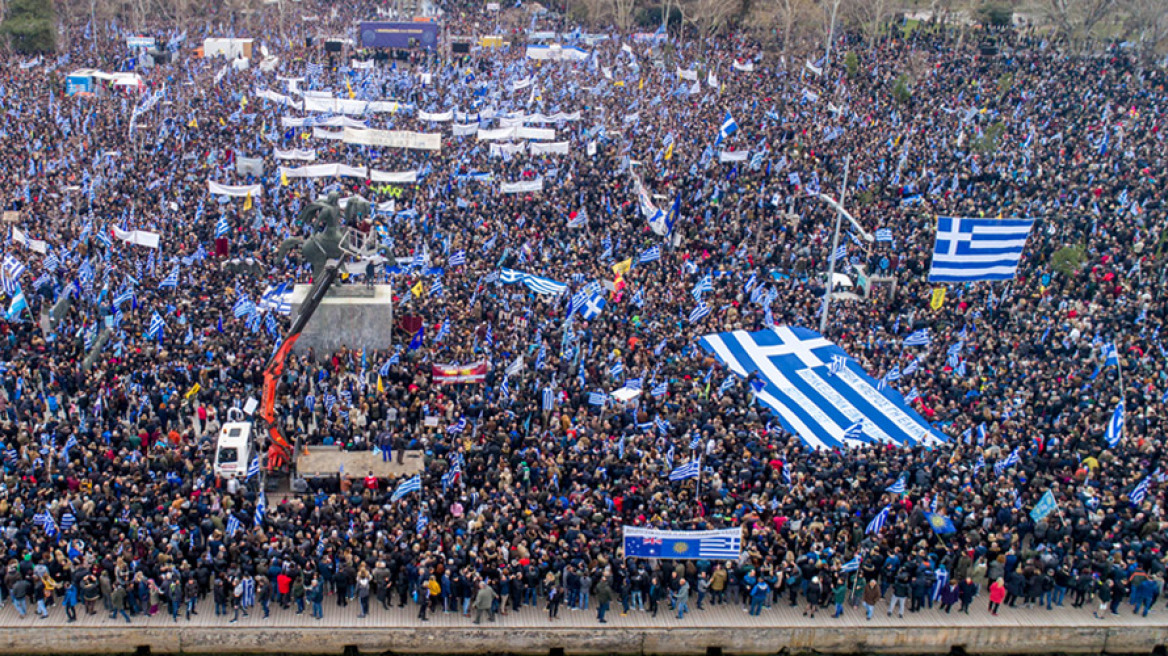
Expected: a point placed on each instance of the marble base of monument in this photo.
(349, 316)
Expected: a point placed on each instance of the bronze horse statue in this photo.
(324, 216)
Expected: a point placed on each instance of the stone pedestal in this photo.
(350, 316)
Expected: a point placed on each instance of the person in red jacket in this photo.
(284, 589)
(997, 595)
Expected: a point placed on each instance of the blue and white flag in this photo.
(651, 254)
(919, 338)
(855, 431)
(261, 509)
(884, 234)
(534, 283)
(232, 525)
(660, 389)
(458, 427)
(691, 469)
(666, 545)
(1110, 355)
(968, 249)
(253, 468)
(900, 486)
(727, 128)
(171, 279)
(852, 565)
(699, 312)
(1115, 426)
(459, 258)
(807, 398)
(593, 306)
(411, 484)
(1137, 495)
(878, 521)
(156, 326)
(222, 227)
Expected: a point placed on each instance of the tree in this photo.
(31, 26)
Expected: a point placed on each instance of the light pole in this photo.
(840, 213)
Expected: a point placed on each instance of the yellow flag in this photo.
(243, 101)
(350, 88)
(247, 201)
(380, 387)
(416, 290)
(669, 152)
(621, 268)
(641, 85)
(192, 391)
(221, 121)
(619, 83)
(193, 124)
(938, 298)
(283, 179)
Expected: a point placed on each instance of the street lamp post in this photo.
(840, 214)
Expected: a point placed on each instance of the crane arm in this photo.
(282, 450)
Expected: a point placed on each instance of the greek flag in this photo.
(156, 326)
(534, 283)
(728, 128)
(900, 486)
(968, 249)
(232, 525)
(593, 306)
(171, 279)
(411, 484)
(706, 284)
(243, 307)
(660, 389)
(436, 288)
(597, 398)
(1010, 461)
(919, 338)
(633, 383)
(840, 253)
(1110, 355)
(691, 469)
(662, 426)
(459, 427)
(423, 521)
(222, 227)
(877, 522)
(458, 258)
(699, 312)
(261, 509)
(808, 400)
(277, 299)
(884, 234)
(13, 268)
(253, 468)
(651, 254)
(1115, 426)
(1137, 495)
(616, 369)
(726, 384)
(852, 565)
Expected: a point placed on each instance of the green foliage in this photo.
(995, 14)
(988, 141)
(1068, 260)
(852, 64)
(901, 90)
(1005, 83)
(31, 26)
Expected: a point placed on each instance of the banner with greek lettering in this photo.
(440, 117)
(675, 545)
(393, 139)
(321, 122)
(521, 187)
(556, 148)
(399, 177)
(689, 76)
(324, 171)
(811, 400)
(321, 133)
(138, 237)
(234, 191)
(461, 130)
(507, 149)
(733, 155)
(298, 154)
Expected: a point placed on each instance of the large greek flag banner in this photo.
(673, 545)
(967, 250)
(809, 398)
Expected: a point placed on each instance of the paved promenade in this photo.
(1014, 631)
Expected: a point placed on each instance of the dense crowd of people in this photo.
(109, 501)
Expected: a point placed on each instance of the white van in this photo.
(233, 451)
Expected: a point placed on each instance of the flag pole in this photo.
(831, 255)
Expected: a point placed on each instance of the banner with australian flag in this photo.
(674, 545)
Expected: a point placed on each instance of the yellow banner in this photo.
(938, 298)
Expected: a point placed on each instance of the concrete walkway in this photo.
(729, 627)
